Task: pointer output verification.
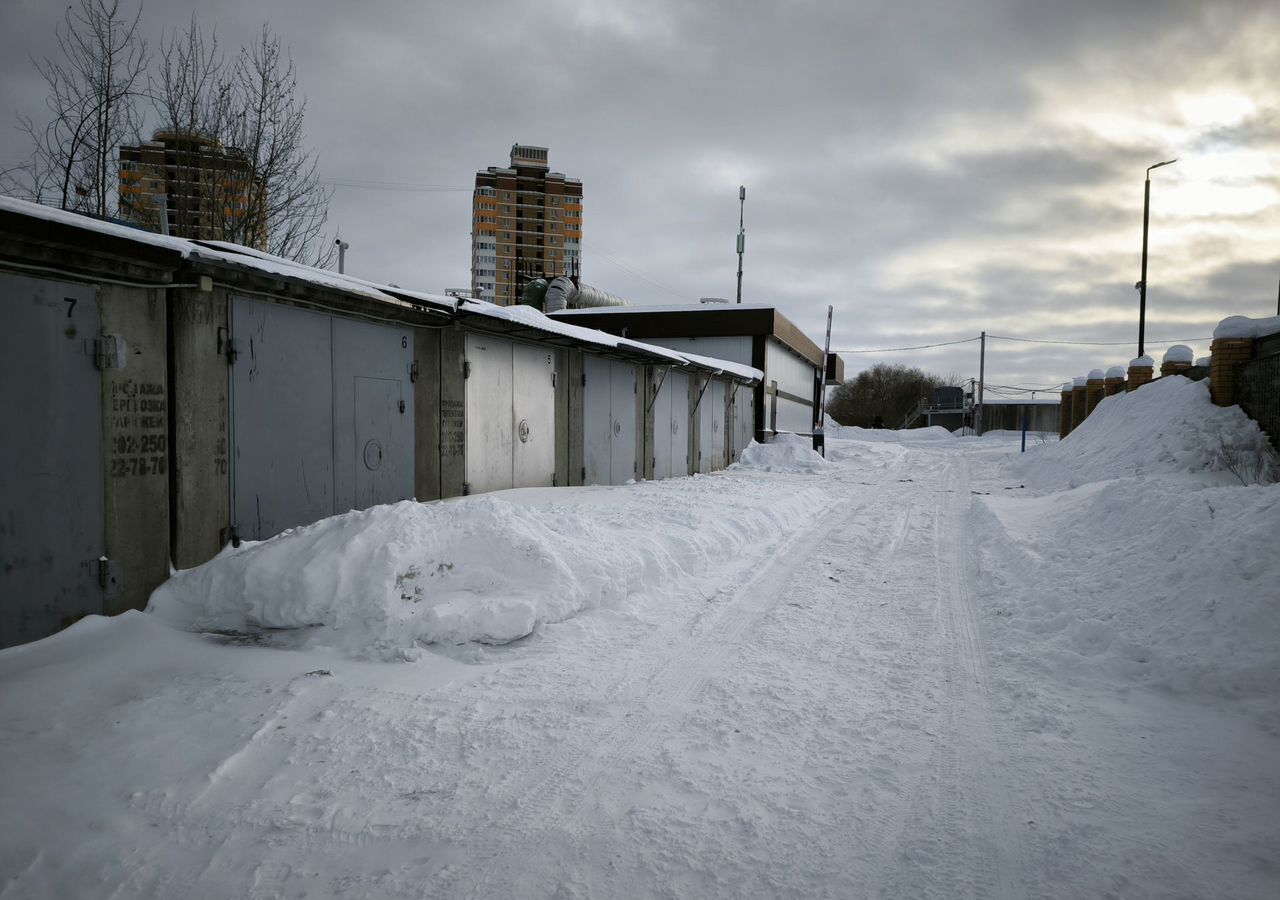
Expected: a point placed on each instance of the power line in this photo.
(1000, 337)
(414, 186)
(921, 347)
(640, 275)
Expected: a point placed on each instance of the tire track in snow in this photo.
(675, 674)
(958, 839)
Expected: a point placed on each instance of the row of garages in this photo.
(171, 397)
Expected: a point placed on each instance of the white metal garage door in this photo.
(608, 421)
(510, 415)
(671, 427)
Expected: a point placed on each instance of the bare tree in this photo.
(286, 203)
(191, 97)
(92, 101)
(881, 396)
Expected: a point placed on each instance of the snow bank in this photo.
(789, 453)
(1179, 353)
(1166, 427)
(1132, 581)
(889, 435)
(1244, 327)
(375, 583)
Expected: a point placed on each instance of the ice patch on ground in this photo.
(1169, 426)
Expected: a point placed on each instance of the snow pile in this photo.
(888, 435)
(1179, 353)
(1171, 588)
(1144, 552)
(1166, 427)
(785, 453)
(375, 583)
(1243, 327)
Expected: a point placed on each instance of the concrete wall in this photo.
(135, 433)
(452, 416)
(427, 416)
(201, 439)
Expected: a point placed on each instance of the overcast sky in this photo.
(932, 170)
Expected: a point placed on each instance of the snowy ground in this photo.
(932, 668)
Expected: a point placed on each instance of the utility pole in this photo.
(982, 376)
(742, 235)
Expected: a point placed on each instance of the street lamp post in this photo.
(1142, 285)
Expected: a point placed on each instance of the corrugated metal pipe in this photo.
(562, 293)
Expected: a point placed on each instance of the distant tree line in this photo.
(106, 84)
(883, 395)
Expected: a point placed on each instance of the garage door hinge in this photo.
(466, 488)
(109, 351)
(402, 407)
(584, 379)
(555, 480)
(553, 379)
(413, 372)
(584, 473)
(110, 577)
(466, 369)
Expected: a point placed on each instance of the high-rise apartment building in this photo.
(203, 190)
(526, 222)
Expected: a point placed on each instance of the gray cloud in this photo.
(930, 170)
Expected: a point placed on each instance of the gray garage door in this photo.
(51, 467)
(609, 421)
(321, 416)
(671, 427)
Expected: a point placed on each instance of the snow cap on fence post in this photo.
(1064, 411)
(1140, 372)
(1232, 345)
(1177, 359)
(1077, 401)
(1114, 382)
(1093, 391)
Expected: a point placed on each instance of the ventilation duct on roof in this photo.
(562, 293)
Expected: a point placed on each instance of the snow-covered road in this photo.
(844, 707)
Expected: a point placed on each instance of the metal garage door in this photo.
(321, 416)
(510, 415)
(705, 419)
(608, 421)
(373, 414)
(488, 414)
(51, 466)
(281, 418)
(670, 427)
(533, 416)
(742, 406)
(719, 426)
